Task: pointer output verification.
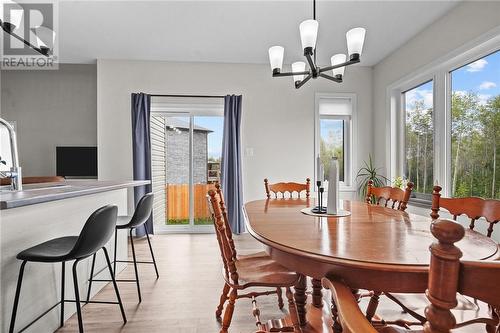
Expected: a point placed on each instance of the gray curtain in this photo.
(141, 143)
(231, 162)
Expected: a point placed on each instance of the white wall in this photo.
(278, 120)
(51, 108)
(461, 25)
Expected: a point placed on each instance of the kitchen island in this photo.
(39, 213)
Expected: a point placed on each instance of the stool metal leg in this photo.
(63, 275)
(135, 267)
(114, 252)
(115, 285)
(77, 298)
(91, 278)
(152, 255)
(16, 298)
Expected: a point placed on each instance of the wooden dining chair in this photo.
(447, 276)
(387, 194)
(475, 209)
(250, 271)
(289, 187)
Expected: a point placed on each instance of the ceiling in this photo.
(233, 31)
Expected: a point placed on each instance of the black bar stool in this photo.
(141, 215)
(96, 232)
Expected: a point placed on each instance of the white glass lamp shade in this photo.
(11, 12)
(355, 40)
(45, 37)
(298, 66)
(338, 59)
(308, 33)
(16, 16)
(276, 57)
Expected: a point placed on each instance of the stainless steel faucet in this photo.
(14, 174)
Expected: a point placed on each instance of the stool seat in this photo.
(54, 250)
(122, 222)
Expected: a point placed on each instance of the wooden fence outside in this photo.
(177, 201)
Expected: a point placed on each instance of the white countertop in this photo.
(46, 192)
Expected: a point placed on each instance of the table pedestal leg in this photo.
(372, 306)
(317, 295)
(300, 299)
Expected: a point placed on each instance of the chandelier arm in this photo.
(310, 62)
(291, 73)
(347, 63)
(299, 84)
(331, 78)
(6, 28)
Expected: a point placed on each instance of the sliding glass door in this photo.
(190, 166)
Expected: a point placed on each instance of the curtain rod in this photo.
(195, 96)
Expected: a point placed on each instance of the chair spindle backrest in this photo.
(448, 275)
(289, 187)
(398, 197)
(228, 251)
(228, 229)
(474, 207)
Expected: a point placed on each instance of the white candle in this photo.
(333, 188)
(319, 170)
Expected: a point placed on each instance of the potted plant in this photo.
(366, 173)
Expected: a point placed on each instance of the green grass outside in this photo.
(197, 221)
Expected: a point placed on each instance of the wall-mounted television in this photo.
(76, 162)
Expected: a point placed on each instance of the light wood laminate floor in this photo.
(184, 298)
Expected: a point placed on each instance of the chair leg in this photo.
(279, 292)
(77, 298)
(152, 255)
(228, 314)
(294, 315)
(223, 299)
(16, 298)
(135, 267)
(63, 279)
(114, 252)
(91, 278)
(115, 285)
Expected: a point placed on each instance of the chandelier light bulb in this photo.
(298, 66)
(276, 57)
(308, 33)
(355, 40)
(338, 59)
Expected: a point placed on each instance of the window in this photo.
(475, 128)
(445, 124)
(334, 133)
(419, 143)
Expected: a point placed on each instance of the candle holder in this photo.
(319, 209)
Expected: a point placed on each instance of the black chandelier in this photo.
(308, 35)
(44, 36)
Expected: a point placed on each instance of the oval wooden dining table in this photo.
(375, 248)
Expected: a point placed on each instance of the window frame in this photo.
(350, 137)
(402, 122)
(440, 72)
(191, 111)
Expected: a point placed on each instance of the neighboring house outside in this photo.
(177, 152)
